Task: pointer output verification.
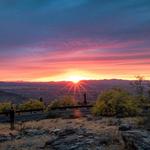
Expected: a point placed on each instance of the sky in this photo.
(54, 40)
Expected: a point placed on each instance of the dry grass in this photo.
(100, 126)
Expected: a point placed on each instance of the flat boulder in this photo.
(78, 139)
(136, 139)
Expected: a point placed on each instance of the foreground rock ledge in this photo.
(79, 139)
(136, 139)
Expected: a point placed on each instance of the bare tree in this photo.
(148, 91)
(138, 84)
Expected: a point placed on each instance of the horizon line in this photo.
(29, 81)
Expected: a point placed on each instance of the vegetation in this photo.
(39, 104)
(115, 102)
(142, 90)
(5, 106)
(31, 104)
(62, 102)
(138, 85)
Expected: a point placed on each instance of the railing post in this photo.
(12, 118)
(85, 100)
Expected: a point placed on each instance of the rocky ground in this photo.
(84, 133)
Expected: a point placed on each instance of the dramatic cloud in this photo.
(48, 38)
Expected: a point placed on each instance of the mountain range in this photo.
(18, 92)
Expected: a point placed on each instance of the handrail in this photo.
(71, 107)
(21, 111)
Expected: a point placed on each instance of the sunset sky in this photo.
(53, 40)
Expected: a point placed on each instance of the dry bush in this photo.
(116, 102)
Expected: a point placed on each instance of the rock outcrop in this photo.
(78, 139)
(136, 139)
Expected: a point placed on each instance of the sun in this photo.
(75, 79)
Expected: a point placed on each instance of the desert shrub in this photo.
(5, 106)
(62, 102)
(31, 104)
(117, 102)
(68, 101)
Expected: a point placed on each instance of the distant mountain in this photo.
(19, 91)
(11, 97)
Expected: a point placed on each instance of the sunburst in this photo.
(75, 79)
